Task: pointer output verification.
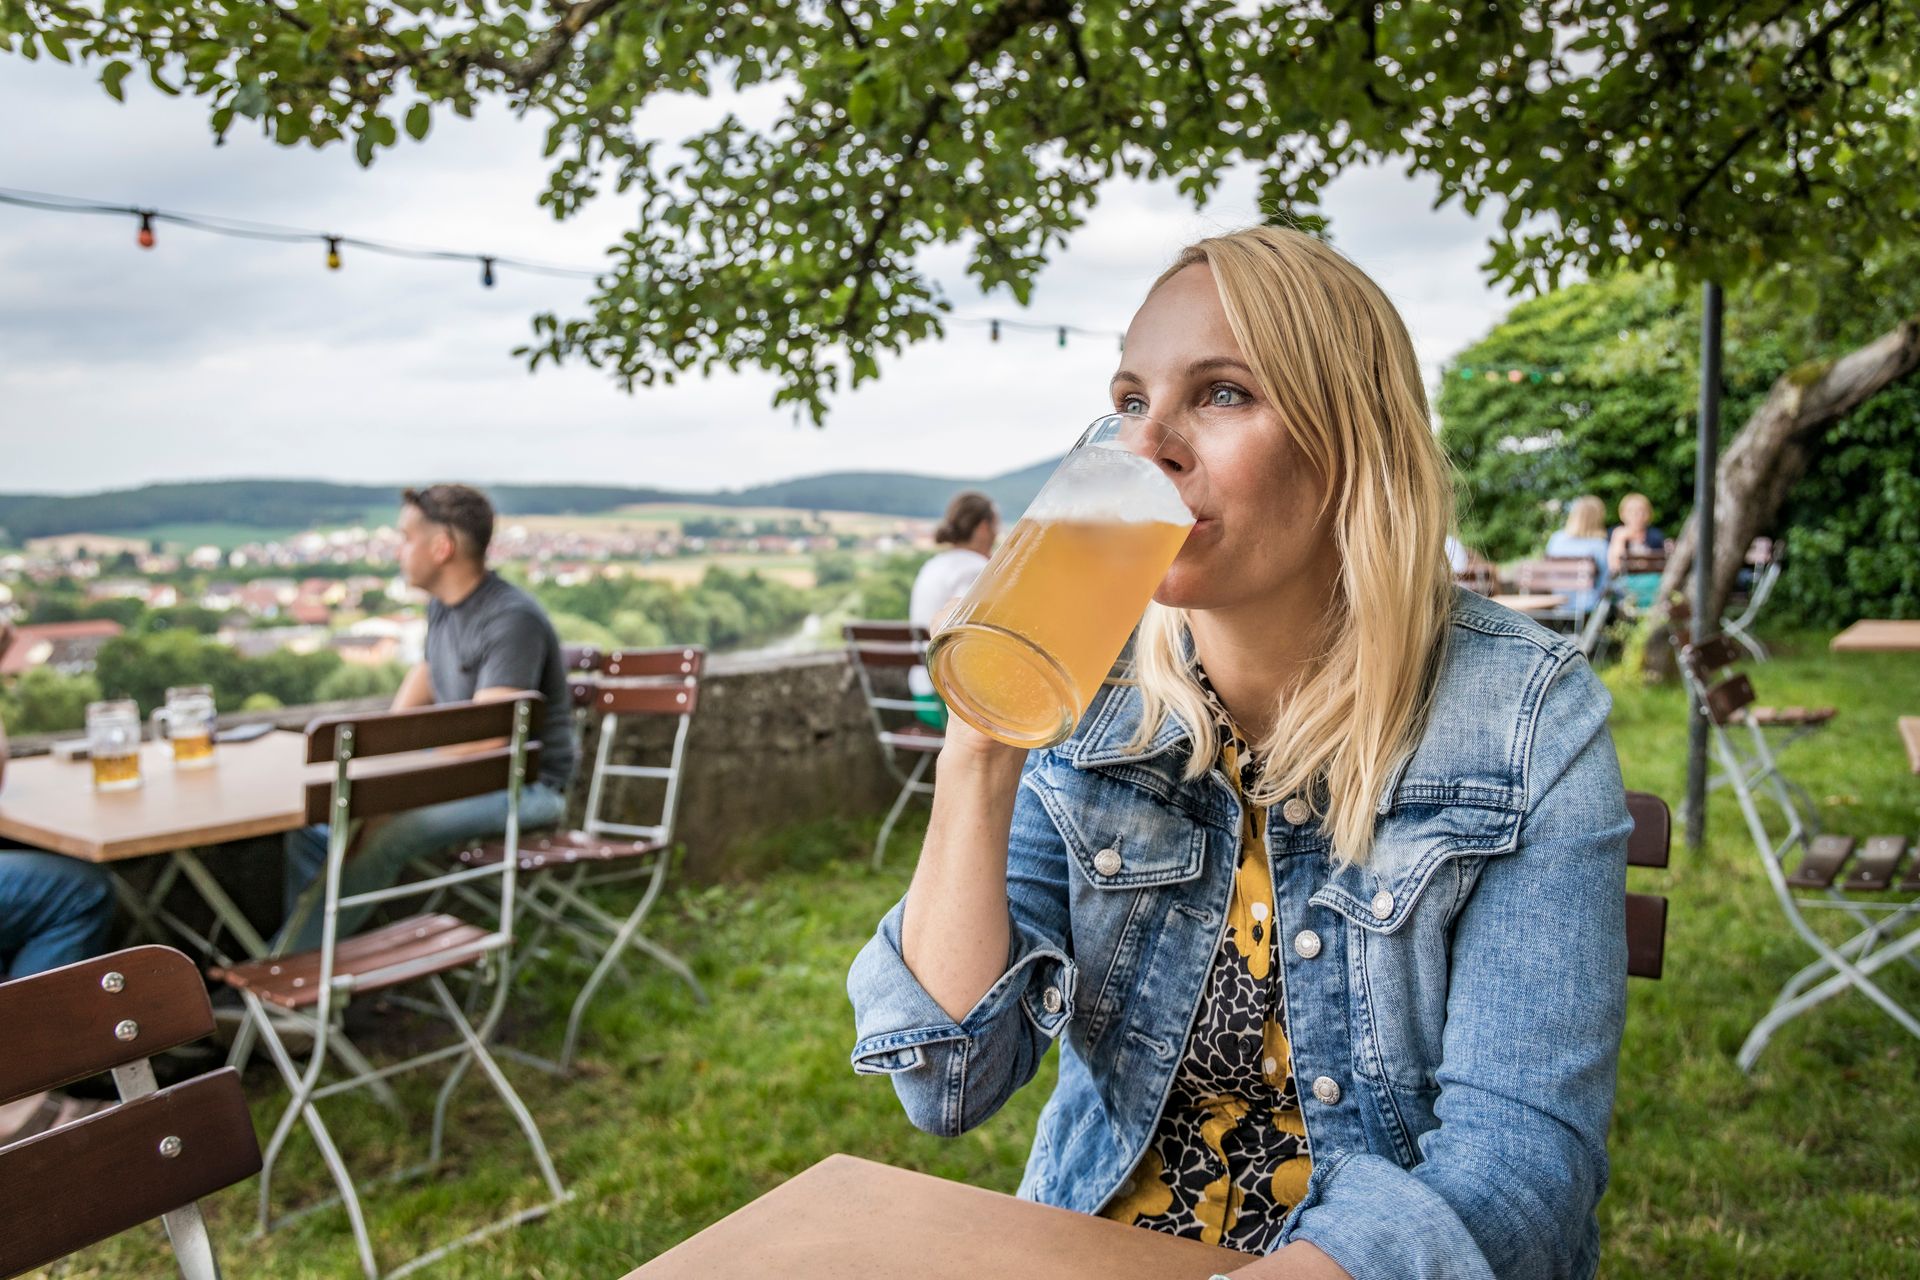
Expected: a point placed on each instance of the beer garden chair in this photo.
(1782, 824)
(1763, 559)
(1575, 577)
(610, 687)
(317, 984)
(882, 653)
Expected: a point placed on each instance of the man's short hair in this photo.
(462, 509)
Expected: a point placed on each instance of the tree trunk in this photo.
(1759, 469)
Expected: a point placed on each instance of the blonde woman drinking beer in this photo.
(1325, 908)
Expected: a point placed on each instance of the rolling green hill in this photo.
(275, 506)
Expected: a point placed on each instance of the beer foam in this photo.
(1110, 484)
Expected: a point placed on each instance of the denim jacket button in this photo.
(1307, 944)
(1327, 1089)
(1051, 999)
(1382, 905)
(1295, 811)
(1107, 861)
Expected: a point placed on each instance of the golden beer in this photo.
(1053, 611)
(193, 750)
(116, 773)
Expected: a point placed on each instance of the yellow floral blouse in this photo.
(1229, 1159)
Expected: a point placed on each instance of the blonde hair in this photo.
(1587, 518)
(1332, 355)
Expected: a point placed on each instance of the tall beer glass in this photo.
(113, 744)
(1023, 654)
(187, 722)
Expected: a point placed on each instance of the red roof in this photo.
(27, 641)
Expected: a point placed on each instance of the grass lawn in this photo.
(1811, 1167)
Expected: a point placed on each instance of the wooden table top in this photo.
(1875, 635)
(847, 1218)
(252, 789)
(1530, 603)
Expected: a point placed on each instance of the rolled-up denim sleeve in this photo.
(951, 1076)
(1507, 1184)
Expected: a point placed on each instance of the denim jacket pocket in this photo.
(1121, 837)
(1411, 843)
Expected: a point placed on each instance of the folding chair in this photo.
(882, 653)
(315, 986)
(1648, 845)
(1480, 576)
(1886, 929)
(647, 684)
(1704, 665)
(152, 1156)
(1763, 559)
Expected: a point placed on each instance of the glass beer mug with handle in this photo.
(1023, 653)
(187, 723)
(113, 744)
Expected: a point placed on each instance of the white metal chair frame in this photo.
(559, 899)
(303, 1081)
(912, 782)
(1741, 628)
(1887, 931)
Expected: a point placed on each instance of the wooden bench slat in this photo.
(1879, 859)
(1646, 935)
(78, 1184)
(1822, 863)
(60, 1026)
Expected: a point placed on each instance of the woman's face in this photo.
(1261, 533)
(1636, 514)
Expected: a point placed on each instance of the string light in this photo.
(1512, 374)
(490, 263)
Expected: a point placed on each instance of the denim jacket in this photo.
(1454, 1004)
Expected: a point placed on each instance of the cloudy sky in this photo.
(213, 357)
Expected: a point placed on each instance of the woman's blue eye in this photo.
(1132, 404)
(1224, 395)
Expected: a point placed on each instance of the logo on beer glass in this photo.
(187, 722)
(113, 744)
(1023, 653)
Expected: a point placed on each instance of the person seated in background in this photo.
(486, 640)
(54, 911)
(1585, 536)
(968, 531)
(1635, 535)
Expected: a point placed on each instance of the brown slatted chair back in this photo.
(581, 659)
(885, 644)
(70, 1023)
(1648, 845)
(1730, 696)
(1556, 575)
(1643, 562)
(1711, 656)
(653, 698)
(680, 662)
(1479, 577)
(156, 1153)
(385, 733)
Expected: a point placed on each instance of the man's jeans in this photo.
(53, 911)
(383, 854)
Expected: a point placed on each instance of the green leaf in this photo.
(363, 148)
(419, 120)
(110, 77)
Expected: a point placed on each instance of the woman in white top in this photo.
(968, 531)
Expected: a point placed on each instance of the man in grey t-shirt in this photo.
(486, 639)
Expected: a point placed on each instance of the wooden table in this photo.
(252, 789)
(1874, 635)
(1531, 603)
(851, 1219)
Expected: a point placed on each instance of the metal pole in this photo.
(1705, 472)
